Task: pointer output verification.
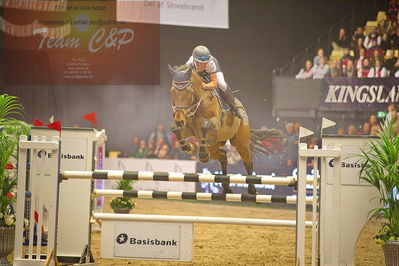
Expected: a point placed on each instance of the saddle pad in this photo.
(225, 107)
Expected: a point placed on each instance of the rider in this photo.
(208, 68)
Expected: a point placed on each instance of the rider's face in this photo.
(201, 66)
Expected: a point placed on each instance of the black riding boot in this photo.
(228, 96)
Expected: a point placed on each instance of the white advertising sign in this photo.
(146, 240)
(193, 13)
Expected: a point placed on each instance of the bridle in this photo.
(193, 107)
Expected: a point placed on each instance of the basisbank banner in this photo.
(360, 94)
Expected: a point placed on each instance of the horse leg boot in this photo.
(187, 147)
(203, 149)
(229, 97)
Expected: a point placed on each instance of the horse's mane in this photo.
(181, 68)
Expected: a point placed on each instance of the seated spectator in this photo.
(358, 35)
(135, 146)
(316, 59)
(342, 40)
(151, 149)
(142, 151)
(345, 58)
(390, 61)
(393, 28)
(395, 70)
(382, 27)
(376, 56)
(366, 129)
(320, 70)
(358, 47)
(350, 70)
(374, 47)
(160, 144)
(352, 130)
(157, 134)
(378, 71)
(395, 41)
(385, 42)
(364, 71)
(305, 73)
(163, 152)
(372, 36)
(392, 11)
(360, 59)
(373, 120)
(335, 69)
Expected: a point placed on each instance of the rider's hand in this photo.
(205, 86)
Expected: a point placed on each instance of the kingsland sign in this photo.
(359, 94)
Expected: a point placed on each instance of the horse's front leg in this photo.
(187, 147)
(203, 149)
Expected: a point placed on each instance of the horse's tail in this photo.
(265, 141)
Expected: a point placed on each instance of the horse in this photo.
(197, 113)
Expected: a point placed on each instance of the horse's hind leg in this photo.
(217, 153)
(246, 155)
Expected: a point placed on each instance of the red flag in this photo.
(91, 117)
(56, 126)
(37, 122)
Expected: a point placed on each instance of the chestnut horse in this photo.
(196, 112)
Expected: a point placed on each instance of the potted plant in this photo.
(10, 129)
(380, 168)
(123, 204)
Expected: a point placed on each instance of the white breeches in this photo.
(221, 82)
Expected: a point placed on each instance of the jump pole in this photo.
(229, 197)
(195, 219)
(181, 177)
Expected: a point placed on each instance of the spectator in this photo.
(360, 59)
(395, 70)
(335, 70)
(159, 145)
(351, 130)
(351, 70)
(297, 126)
(340, 132)
(358, 47)
(358, 35)
(382, 27)
(142, 151)
(392, 12)
(135, 146)
(377, 71)
(151, 149)
(385, 42)
(306, 72)
(373, 120)
(290, 145)
(374, 47)
(342, 41)
(163, 152)
(393, 28)
(364, 71)
(344, 59)
(321, 70)
(320, 54)
(366, 129)
(392, 113)
(157, 134)
(374, 57)
(372, 36)
(390, 61)
(395, 40)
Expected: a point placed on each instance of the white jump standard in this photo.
(148, 194)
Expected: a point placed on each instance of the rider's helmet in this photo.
(201, 54)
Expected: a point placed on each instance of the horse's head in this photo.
(183, 95)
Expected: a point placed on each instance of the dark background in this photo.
(263, 35)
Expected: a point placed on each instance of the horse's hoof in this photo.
(252, 190)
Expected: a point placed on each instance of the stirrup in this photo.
(239, 112)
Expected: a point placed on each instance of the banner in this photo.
(78, 43)
(362, 94)
(193, 13)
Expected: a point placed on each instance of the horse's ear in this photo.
(172, 71)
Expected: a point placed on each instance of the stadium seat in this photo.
(381, 16)
(370, 25)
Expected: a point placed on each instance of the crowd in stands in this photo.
(371, 54)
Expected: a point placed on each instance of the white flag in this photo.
(304, 132)
(51, 119)
(325, 123)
